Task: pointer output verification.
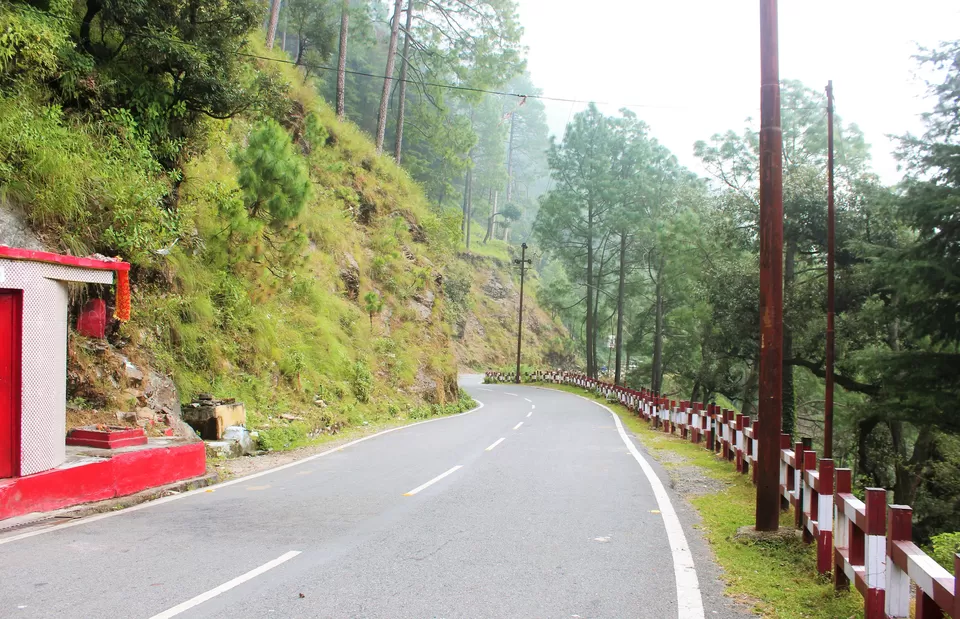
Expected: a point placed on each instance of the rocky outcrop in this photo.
(350, 276)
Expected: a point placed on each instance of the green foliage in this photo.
(362, 381)
(272, 176)
(31, 44)
(279, 438)
(171, 62)
(315, 23)
(945, 547)
(95, 185)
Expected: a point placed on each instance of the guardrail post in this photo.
(805, 509)
(956, 586)
(825, 516)
(786, 474)
(875, 552)
(843, 530)
(897, 582)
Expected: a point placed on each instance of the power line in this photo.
(458, 87)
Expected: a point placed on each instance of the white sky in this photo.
(695, 63)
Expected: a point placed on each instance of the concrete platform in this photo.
(91, 474)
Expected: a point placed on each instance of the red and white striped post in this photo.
(875, 553)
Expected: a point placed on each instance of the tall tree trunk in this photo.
(788, 420)
(466, 189)
(621, 290)
(750, 391)
(342, 58)
(513, 126)
(469, 203)
(907, 472)
(272, 25)
(864, 468)
(493, 214)
(695, 394)
(597, 287)
(590, 342)
(388, 76)
(657, 370)
(401, 103)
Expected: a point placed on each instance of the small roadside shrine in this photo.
(33, 351)
(39, 469)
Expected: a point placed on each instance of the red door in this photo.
(11, 310)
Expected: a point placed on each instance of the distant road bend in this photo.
(538, 504)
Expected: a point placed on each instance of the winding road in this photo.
(536, 504)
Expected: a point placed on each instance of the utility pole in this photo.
(523, 262)
(771, 274)
(831, 248)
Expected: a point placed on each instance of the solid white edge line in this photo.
(432, 481)
(212, 593)
(689, 602)
(497, 442)
(517, 427)
(239, 480)
(530, 413)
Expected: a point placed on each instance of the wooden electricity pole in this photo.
(771, 274)
(831, 248)
(523, 262)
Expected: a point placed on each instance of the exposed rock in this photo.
(495, 289)
(242, 437)
(423, 312)
(224, 449)
(425, 386)
(416, 232)
(460, 327)
(14, 230)
(426, 297)
(350, 275)
(132, 372)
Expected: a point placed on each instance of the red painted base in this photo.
(120, 475)
(110, 438)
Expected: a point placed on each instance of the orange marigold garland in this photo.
(122, 312)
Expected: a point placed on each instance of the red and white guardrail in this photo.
(864, 542)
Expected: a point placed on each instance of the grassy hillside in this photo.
(485, 321)
(336, 316)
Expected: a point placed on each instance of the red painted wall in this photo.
(123, 474)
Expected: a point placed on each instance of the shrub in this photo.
(945, 546)
(272, 176)
(282, 437)
(362, 381)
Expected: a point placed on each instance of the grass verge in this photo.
(777, 579)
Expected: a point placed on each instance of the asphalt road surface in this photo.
(538, 504)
